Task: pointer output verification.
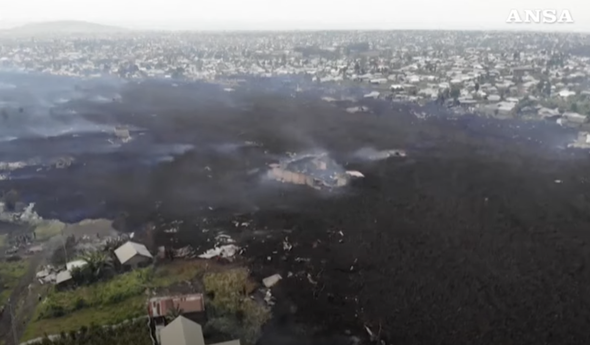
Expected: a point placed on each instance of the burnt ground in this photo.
(469, 240)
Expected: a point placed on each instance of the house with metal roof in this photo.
(63, 279)
(188, 304)
(133, 254)
(183, 331)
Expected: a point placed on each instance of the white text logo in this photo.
(540, 17)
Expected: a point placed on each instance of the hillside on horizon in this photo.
(63, 27)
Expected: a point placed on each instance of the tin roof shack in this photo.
(316, 171)
(63, 280)
(183, 331)
(191, 306)
(133, 255)
(122, 133)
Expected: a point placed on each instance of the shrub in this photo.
(80, 303)
(52, 310)
(231, 311)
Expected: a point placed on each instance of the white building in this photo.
(183, 331)
(75, 264)
(63, 277)
(133, 254)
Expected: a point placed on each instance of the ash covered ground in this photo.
(478, 236)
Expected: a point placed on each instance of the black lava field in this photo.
(479, 236)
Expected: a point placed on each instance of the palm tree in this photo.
(98, 263)
(173, 313)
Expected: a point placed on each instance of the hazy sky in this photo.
(300, 14)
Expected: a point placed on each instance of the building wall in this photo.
(290, 177)
(137, 261)
(300, 179)
(187, 303)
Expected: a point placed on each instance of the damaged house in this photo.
(316, 171)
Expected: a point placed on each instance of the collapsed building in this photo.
(122, 133)
(317, 171)
(581, 142)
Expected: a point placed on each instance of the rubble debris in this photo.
(225, 251)
(48, 275)
(314, 170)
(372, 335)
(187, 252)
(581, 142)
(62, 162)
(10, 166)
(300, 260)
(359, 109)
(373, 94)
(269, 298)
(223, 238)
(271, 281)
(238, 224)
(122, 133)
(354, 263)
(371, 154)
(355, 173)
(286, 245)
(380, 155)
(310, 279)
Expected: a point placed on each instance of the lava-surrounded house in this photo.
(317, 171)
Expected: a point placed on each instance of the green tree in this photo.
(173, 313)
(11, 199)
(98, 264)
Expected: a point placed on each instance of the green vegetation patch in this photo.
(48, 229)
(176, 272)
(230, 309)
(114, 291)
(10, 274)
(126, 334)
(123, 297)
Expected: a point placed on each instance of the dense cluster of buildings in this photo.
(495, 73)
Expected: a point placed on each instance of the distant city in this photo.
(529, 75)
